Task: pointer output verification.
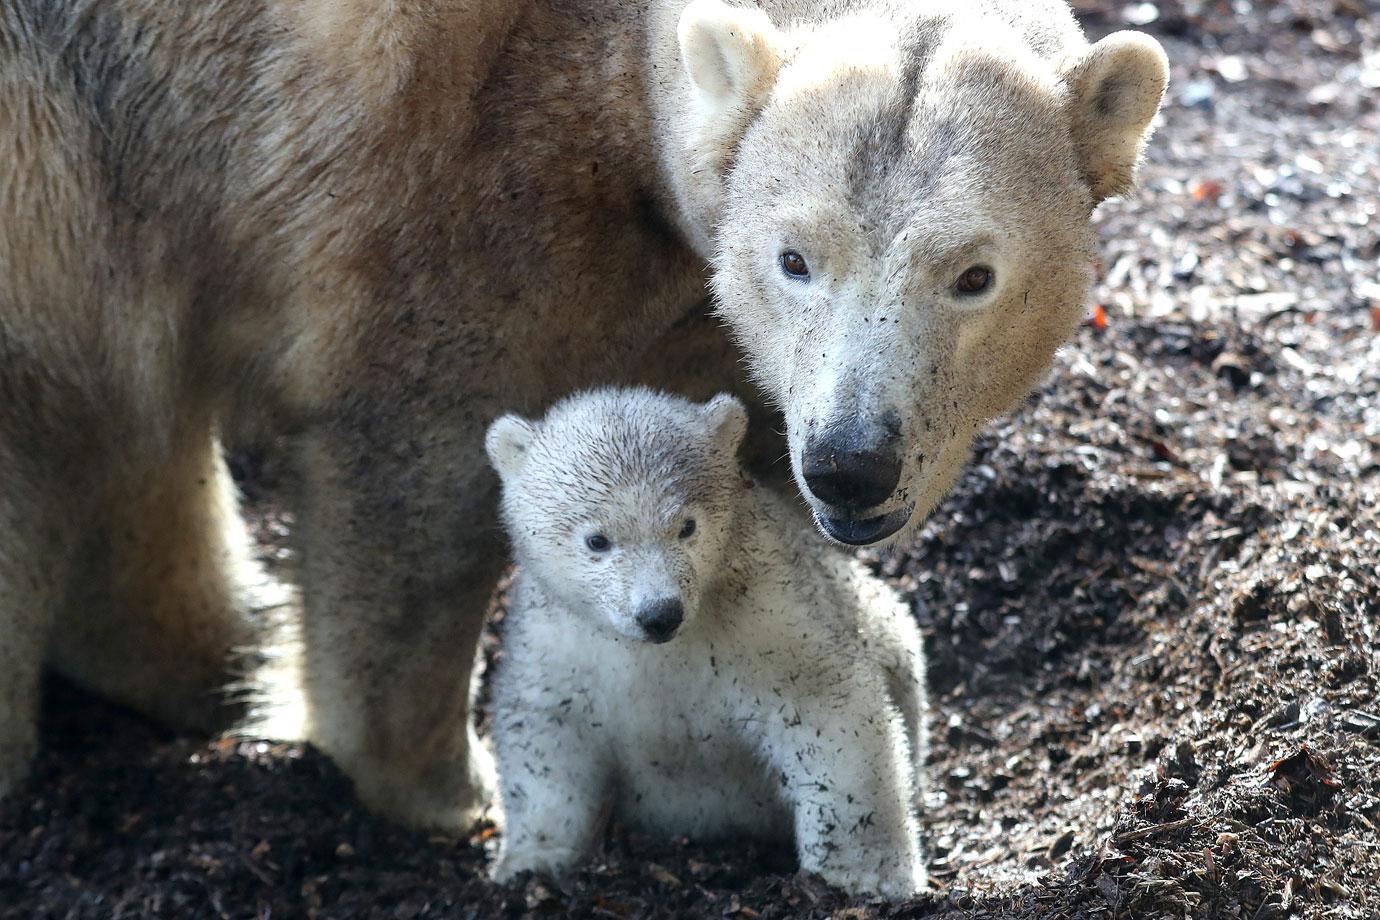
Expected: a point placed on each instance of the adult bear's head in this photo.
(897, 206)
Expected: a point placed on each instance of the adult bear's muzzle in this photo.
(852, 467)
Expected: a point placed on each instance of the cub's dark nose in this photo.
(661, 618)
(856, 464)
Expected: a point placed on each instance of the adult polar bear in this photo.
(368, 228)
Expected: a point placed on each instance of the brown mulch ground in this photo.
(1151, 606)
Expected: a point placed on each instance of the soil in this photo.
(1151, 605)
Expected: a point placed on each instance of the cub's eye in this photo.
(598, 542)
(688, 528)
(974, 280)
(793, 264)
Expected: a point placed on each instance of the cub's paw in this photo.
(893, 882)
(514, 861)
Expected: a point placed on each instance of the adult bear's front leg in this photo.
(400, 552)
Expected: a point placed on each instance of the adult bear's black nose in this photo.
(855, 465)
(661, 618)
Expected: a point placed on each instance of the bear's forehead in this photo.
(563, 506)
(608, 470)
(626, 445)
(909, 103)
(863, 44)
(959, 129)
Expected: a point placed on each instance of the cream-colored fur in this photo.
(365, 229)
(895, 148)
(786, 702)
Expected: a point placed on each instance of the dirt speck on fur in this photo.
(1151, 605)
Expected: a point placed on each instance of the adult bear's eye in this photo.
(688, 528)
(793, 264)
(974, 280)
(598, 542)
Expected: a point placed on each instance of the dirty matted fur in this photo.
(708, 665)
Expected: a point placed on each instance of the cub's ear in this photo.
(1117, 85)
(730, 54)
(727, 421)
(507, 443)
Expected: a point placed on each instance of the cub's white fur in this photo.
(789, 700)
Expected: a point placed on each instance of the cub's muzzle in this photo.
(660, 619)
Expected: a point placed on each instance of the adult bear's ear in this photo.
(727, 421)
(507, 443)
(1117, 85)
(730, 54)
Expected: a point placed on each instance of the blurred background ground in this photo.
(1151, 605)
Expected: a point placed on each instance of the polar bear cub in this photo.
(679, 646)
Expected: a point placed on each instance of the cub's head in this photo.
(898, 212)
(620, 503)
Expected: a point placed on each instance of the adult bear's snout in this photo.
(854, 465)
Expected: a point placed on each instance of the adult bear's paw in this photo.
(451, 795)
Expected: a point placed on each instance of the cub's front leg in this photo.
(553, 781)
(842, 755)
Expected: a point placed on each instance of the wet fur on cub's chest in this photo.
(670, 720)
